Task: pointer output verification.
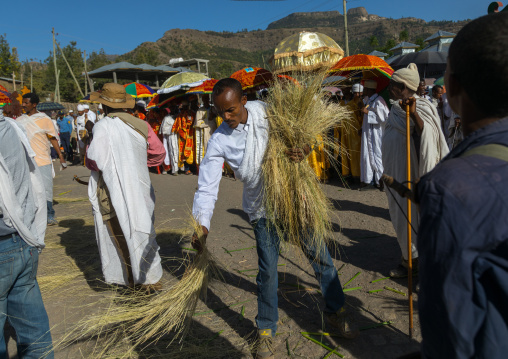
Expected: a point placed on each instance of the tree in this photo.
(421, 44)
(404, 35)
(96, 60)
(8, 59)
(68, 89)
(373, 41)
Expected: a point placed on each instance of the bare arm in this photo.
(54, 142)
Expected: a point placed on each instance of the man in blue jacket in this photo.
(463, 235)
(65, 125)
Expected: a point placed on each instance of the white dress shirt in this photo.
(228, 145)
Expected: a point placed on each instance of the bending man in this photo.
(241, 140)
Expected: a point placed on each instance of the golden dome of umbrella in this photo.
(305, 51)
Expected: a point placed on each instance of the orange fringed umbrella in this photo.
(364, 67)
(205, 88)
(251, 77)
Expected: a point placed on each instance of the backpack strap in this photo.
(491, 150)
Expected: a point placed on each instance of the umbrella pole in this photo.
(409, 246)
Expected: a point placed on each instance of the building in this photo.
(197, 65)
(440, 41)
(379, 54)
(401, 49)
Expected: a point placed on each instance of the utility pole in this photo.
(70, 70)
(31, 77)
(57, 87)
(14, 80)
(86, 74)
(345, 28)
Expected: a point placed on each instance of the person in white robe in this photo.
(90, 114)
(121, 192)
(80, 127)
(170, 142)
(375, 113)
(204, 129)
(426, 125)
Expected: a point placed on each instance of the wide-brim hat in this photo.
(114, 96)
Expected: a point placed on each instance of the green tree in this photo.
(373, 41)
(68, 89)
(8, 58)
(97, 59)
(421, 44)
(404, 35)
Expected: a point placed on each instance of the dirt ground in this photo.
(70, 275)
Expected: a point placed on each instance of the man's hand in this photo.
(365, 110)
(411, 101)
(196, 243)
(297, 154)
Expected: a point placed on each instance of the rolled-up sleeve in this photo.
(156, 152)
(210, 174)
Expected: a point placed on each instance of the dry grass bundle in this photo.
(140, 319)
(299, 115)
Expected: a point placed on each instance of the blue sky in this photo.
(119, 27)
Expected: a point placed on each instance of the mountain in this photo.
(228, 51)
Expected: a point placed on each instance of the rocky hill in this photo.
(229, 51)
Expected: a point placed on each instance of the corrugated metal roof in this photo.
(378, 53)
(119, 66)
(404, 45)
(440, 34)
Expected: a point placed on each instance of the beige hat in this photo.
(370, 84)
(408, 76)
(114, 96)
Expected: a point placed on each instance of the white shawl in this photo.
(11, 209)
(120, 153)
(250, 172)
(433, 146)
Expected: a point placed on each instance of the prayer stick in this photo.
(409, 246)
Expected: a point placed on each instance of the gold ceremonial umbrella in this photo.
(305, 51)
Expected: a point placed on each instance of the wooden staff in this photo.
(409, 247)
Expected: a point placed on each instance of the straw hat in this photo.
(114, 96)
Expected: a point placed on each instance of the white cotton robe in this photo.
(120, 153)
(433, 148)
(371, 164)
(170, 142)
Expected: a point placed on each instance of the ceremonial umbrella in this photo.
(363, 67)
(251, 77)
(439, 81)
(305, 51)
(49, 106)
(139, 90)
(86, 99)
(182, 80)
(4, 98)
(205, 88)
(429, 63)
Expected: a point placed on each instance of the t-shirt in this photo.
(65, 124)
(40, 141)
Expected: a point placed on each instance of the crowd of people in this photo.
(461, 249)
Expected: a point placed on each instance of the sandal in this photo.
(188, 172)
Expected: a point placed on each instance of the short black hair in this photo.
(437, 87)
(478, 55)
(227, 83)
(34, 98)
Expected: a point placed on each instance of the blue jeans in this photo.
(268, 243)
(21, 301)
(51, 210)
(65, 140)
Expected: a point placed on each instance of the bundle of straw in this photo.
(141, 318)
(299, 115)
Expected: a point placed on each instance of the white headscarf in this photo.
(408, 76)
(81, 107)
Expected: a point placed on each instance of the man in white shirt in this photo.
(375, 113)
(241, 141)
